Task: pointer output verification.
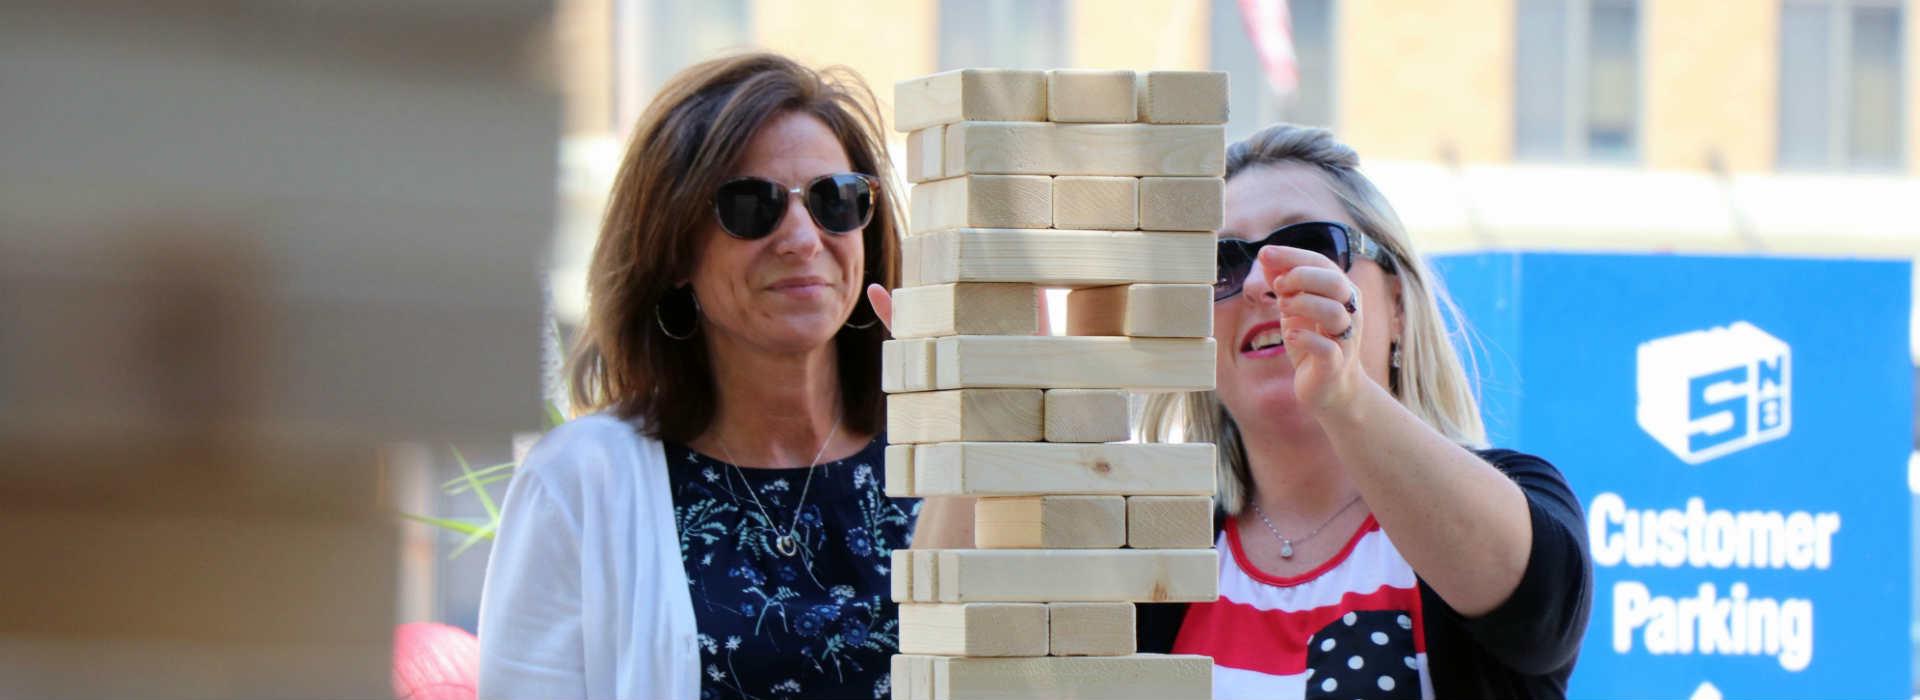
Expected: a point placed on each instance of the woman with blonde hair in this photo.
(1371, 546)
(715, 525)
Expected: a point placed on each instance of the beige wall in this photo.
(1417, 78)
(583, 38)
(1711, 83)
(815, 33)
(1911, 35)
(1138, 34)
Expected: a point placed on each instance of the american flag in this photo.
(1270, 26)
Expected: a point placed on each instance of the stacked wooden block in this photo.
(1107, 183)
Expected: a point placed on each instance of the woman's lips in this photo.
(801, 287)
(1265, 334)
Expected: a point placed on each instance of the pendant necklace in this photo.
(786, 544)
(1286, 545)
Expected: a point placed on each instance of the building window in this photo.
(1251, 101)
(1577, 80)
(654, 39)
(1023, 34)
(1840, 85)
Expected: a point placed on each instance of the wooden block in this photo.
(1098, 310)
(970, 94)
(1094, 202)
(1090, 629)
(966, 309)
(974, 629)
(900, 574)
(1169, 522)
(1050, 522)
(983, 415)
(1044, 468)
(1139, 150)
(1195, 204)
(1060, 258)
(1117, 677)
(1142, 310)
(899, 471)
(906, 365)
(925, 149)
(926, 576)
(1063, 362)
(1087, 415)
(1102, 96)
(982, 201)
(1075, 575)
(1183, 97)
(911, 250)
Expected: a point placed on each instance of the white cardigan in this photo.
(585, 595)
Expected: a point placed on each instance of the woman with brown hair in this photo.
(715, 523)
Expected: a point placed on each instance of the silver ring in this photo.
(1346, 334)
(1353, 300)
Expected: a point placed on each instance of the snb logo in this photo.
(1704, 394)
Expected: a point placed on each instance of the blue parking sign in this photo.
(1738, 430)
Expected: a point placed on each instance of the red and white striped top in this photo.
(1350, 628)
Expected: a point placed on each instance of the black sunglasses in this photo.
(750, 208)
(1332, 239)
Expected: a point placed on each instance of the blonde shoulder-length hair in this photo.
(1431, 381)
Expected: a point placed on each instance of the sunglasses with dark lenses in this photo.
(1332, 239)
(751, 208)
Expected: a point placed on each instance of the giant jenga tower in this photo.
(1108, 183)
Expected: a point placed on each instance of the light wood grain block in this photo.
(1169, 522)
(1099, 96)
(974, 629)
(899, 470)
(1095, 202)
(1142, 310)
(900, 574)
(1183, 97)
(1118, 677)
(984, 415)
(1087, 415)
(906, 365)
(908, 674)
(926, 576)
(1060, 258)
(982, 201)
(970, 94)
(1067, 362)
(1138, 150)
(1196, 204)
(966, 309)
(926, 149)
(1090, 629)
(1045, 468)
(1065, 575)
(912, 249)
(1050, 522)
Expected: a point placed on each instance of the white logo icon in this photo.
(1705, 394)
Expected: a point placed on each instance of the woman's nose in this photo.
(1255, 287)
(798, 234)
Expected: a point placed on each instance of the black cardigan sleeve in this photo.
(1539, 628)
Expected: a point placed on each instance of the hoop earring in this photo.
(660, 319)
(868, 324)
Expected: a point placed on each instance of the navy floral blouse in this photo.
(818, 624)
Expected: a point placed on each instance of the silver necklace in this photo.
(788, 544)
(1286, 545)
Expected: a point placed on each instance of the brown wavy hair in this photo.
(691, 139)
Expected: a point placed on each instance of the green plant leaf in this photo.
(464, 528)
(484, 533)
(463, 488)
(554, 416)
(486, 501)
(459, 483)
